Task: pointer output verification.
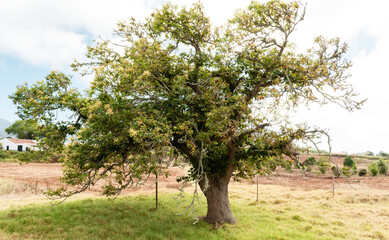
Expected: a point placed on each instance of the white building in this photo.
(20, 145)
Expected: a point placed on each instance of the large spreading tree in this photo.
(176, 83)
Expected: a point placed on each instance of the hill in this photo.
(3, 125)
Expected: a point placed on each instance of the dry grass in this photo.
(351, 214)
(10, 186)
(15, 193)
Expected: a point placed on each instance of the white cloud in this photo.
(38, 46)
(53, 33)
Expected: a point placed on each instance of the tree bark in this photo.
(219, 210)
(216, 192)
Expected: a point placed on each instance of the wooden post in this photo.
(156, 190)
(333, 185)
(36, 187)
(257, 187)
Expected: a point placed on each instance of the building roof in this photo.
(21, 141)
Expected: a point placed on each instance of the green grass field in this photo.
(279, 214)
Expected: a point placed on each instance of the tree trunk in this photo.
(216, 192)
(219, 210)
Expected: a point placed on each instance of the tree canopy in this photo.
(175, 83)
(24, 129)
(348, 161)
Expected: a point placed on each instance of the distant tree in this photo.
(382, 167)
(24, 129)
(373, 169)
(346, 171)
(336, 171)
(383, 154)
(369, 153)
(314, 150)
(324, 165)
(310, 161)
(348, 162)
(206, 93)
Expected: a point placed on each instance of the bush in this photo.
(3, 154)
(382, 168)
(288, 168)
(346, 171)
(29, 156)
(335, 171)
(323, 166)
(310, 161)
(355, 169)
(373, 169)
(9, 156)
(309, 169)
(348, 162)
(362, 172)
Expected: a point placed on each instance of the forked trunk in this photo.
(219, 210)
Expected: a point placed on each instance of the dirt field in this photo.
(26, 182)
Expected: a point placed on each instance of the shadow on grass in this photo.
(135, 218)
(124, 218)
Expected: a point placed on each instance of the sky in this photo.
(43, 35)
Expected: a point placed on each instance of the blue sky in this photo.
(43, 35)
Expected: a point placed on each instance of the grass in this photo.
(10, 186)
(281, 213)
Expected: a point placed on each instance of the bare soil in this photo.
(42, 176)
(315, 180)
(46, 175)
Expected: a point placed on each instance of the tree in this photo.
(323, 166)
(204, 93)
(24, 129)
(348, 162)
(382, 167)
(383, 154)
(369, 153)
(335, 170)
(310, 161)
(373, 169)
